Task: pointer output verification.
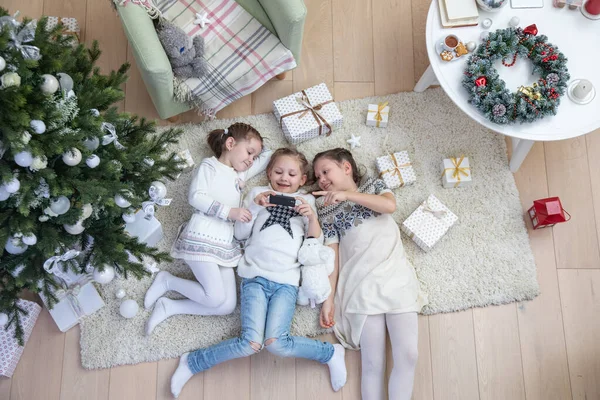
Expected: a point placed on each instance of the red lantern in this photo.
(547, 212)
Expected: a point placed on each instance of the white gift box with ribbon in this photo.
(77, 296)
(146, 228)
(428, 223)
(456, 172)
(378, 114)
(308, 114)
(396, 169)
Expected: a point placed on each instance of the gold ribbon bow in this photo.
(314, 110)
(378, 117)
(396, 169)
(457, 170)
(439, 214)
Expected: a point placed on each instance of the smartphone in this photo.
(282, 200)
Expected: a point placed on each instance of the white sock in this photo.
(337, 367)
(159, 314)
(157, 289)
(181, 376)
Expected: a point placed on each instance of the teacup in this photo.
(450, 42)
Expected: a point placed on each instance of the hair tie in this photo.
(225, 132)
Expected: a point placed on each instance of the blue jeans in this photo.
(266, 313)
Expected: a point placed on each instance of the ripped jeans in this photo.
(266, 314)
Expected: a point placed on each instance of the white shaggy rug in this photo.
(484, 259)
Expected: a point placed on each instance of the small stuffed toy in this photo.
(317, 263)
(184, 54)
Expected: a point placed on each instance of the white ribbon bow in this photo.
(436, 213)
(112, 137)
(71, 294)
(25, 35)
(51, 264)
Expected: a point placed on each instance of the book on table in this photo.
(457, 13)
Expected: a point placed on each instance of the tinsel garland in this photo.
(488, 92)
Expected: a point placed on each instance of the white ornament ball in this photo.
(91, 143)
(3, 193)
(87, 211)
(2, 64)
(50, 84)
(92, 161)
(3, 317)
(43, 218)
(514, 22)
(129, 308)
(94, 112)
(38, 126)
(74, 229)
(49, 212)
(159, 189)
(14, 246)
(128, 218)
(471, 46)
(65, 81)
(60, 205)
(148, 161)
(104, 277)
(121, 202)
(38, 163)
(24, 158)
(120, 293)
(72, 157)
(12, 186)
(30, 239)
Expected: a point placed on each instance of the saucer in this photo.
(587, 99)
(439, 48)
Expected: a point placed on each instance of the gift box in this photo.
(77, 297)
(428, 223)
(547, 212)
(307, 114)
(186, 157)
(71, 25)
(456, 172)
(396, 170)
(378, 114)
(10, 350)
(146, 228)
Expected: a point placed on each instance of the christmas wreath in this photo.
(489, 93)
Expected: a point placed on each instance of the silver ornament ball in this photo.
(471, 46)
(129, 308)
(72, 157)
(60, 205)
(50, 84)
(12, 186)
(4, 195)
(91, 143)
(74, 229)
(86, 211)
(2, 64)
(105, 276)
(65, 81)
(38, 126)
(121, 201)
(24, 159)
(120, 293)
(157, 190)
(92, 161)
(29, 239)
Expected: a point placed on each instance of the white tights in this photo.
(213, 294)
(404, 331)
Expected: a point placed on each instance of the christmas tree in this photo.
(72, 167)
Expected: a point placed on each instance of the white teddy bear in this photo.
(317, 263)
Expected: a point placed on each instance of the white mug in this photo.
(451, 39)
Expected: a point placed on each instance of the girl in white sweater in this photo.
(271, 274)
(206, 241)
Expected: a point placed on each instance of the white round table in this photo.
(576, 36)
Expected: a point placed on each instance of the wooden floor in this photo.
(545, 349)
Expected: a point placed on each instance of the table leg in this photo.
(427, 79)
(520, 149)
